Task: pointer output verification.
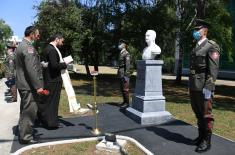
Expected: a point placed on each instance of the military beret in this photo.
(200, 23)
(11, 45)
(123, 41)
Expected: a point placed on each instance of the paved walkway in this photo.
(9, 112)
(9, 115)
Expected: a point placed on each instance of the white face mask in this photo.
(121, 46)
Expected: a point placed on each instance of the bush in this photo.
(169, 63)
(135, 55)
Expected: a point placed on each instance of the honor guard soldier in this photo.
(124, 72)
(29, 83)
(204, 67)
(10, 70)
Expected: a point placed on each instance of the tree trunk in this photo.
(180, 62)
(96, 61)
(179, 46)
(200, 14)
(86, 63)
(201, 9)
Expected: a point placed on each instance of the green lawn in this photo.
(82, 148)
(177, 100)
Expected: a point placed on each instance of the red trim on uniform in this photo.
(215, 55)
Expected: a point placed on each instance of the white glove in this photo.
(207, 93)
(126, 78)
(44, 64)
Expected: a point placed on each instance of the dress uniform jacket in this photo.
(28, 67)
(204, 66)
(124, 64)
(28, 80)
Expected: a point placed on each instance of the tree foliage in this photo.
(60, 17)
(111, 20)
(214, 12)
(92, 28)
(5, 33)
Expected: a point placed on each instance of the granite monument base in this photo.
(148, 102)
(150, 117)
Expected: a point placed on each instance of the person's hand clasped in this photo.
(44, 64)
(207, 93)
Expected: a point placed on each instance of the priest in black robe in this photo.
(48, 108)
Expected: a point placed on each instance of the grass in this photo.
(178, 104)
(82, 148)
(177, 100)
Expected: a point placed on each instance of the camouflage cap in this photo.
(10, 45)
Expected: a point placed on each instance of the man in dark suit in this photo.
(29, 81)
(204, 67)
(48, 110)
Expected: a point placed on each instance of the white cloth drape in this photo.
(73, 104)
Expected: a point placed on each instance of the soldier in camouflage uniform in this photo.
(10, 69)
(204, 67)
(124, 72)
(29, 81)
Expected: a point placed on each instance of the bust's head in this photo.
(150, 36)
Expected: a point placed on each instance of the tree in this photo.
(221, 29)
(93, 27)
(182, 15)
(64, 17)
(108, 21)
(5, 33)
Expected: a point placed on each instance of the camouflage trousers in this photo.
(124, 86)
(13, 93)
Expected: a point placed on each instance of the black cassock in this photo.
(48, 108)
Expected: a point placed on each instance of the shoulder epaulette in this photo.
(214, 44)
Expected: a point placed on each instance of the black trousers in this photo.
(48, 108)
(28, 114)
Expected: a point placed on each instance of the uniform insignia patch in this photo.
(215, 55)
(30, 50)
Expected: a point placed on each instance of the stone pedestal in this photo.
(148, 102)
(110, 148)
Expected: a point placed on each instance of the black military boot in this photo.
(124, 105)
(205, 145)
(199, 139)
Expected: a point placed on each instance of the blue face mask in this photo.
(196, 35)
